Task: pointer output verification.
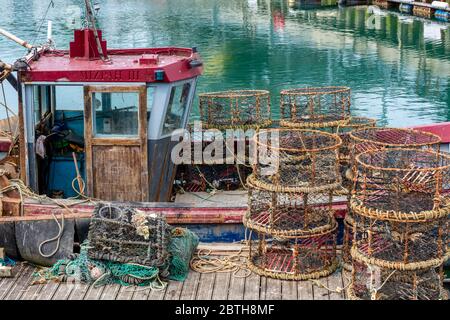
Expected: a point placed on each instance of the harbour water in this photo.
(398, 66)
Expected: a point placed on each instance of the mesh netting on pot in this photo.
(401, 245)
(315, 107)
(370, 282)
(296, 160)
(235, 109)
(288, 214)
(122, 234)
(365, 139)
(294, 258)
(355, 123)
(348, 241)
(372, 138)
(402, 183)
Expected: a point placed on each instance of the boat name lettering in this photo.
(114, 75)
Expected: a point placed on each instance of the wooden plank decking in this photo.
(205, 286)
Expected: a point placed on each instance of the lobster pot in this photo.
(442, 15)
(365, 139)
(343, 131)
(235, 109)
(404, 181)
(294, 258)
(372, 282)
(315, 107)
(122, 234)
(400, 244)
(348, 241)
(297, 160)
(405, 8)
(227, 166)
(287, 213)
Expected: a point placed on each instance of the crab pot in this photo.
(368, 138)
(294, 258)
(315, 107)
(287, 213)
(355, 123)
(374, 138)
(400, 244)
(297, 160)
(403, 182)
(348, 241)
(235, 109)
(228, 164)
(121, 234)
(371, 282)
(343, 131)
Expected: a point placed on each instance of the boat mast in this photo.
(12, 37)
(91, 20)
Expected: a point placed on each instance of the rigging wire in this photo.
(6, 109)
(51, 4)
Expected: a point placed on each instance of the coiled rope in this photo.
(235, 263)
(25, 192)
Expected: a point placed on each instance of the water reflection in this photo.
(397, 65)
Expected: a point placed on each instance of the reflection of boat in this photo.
(376, 11)
(311, 4)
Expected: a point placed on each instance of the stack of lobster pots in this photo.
(290, 204)
(291, 190)
(372, 138)
(235, 114)
(326, 109)
(399, 215)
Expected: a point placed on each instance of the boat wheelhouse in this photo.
(113, 110)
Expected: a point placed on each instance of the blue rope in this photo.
(7, 262)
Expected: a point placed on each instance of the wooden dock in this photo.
(204, 286)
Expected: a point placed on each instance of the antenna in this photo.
(91, 19)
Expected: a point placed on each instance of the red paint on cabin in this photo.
(82, 63)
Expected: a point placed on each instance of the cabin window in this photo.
(115, 113)
(176, 108)
(41, 101)
(150, 99)
(69, 98)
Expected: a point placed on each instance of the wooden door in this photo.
(116, 142)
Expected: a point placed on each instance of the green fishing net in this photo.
(182, 246)
(101, 272)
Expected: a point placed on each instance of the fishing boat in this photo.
(104, 116)
(96, 123)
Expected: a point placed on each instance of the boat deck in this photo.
(198, 286)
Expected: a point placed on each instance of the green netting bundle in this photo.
(100, 272)
(182, 246)
(130, 247)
